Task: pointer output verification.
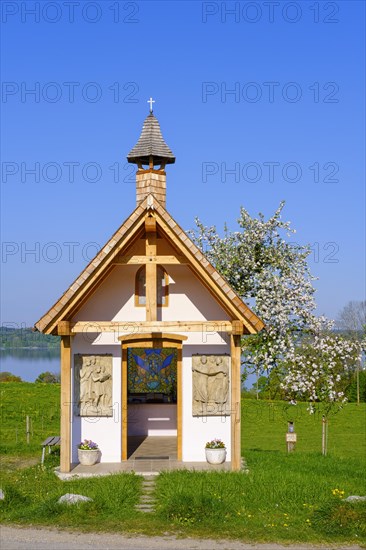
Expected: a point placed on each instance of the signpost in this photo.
(291, 437)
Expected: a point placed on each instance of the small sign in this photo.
(291, 438)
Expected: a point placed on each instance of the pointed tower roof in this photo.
(151, 144)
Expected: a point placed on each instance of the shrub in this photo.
(48, 378)
(9, 377)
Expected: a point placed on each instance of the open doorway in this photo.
(151, 400)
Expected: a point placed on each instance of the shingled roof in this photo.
(151, 144)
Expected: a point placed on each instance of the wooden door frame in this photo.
(151, 340)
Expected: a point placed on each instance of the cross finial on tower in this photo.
(151, 101)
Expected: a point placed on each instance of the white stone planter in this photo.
(215, 456)
(88, 458)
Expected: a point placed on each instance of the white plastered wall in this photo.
(189, 300)
(106, 431)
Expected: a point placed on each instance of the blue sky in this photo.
(273, 91)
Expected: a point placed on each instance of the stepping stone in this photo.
(354, 498)
(145, 507)
(70, 498)
(147, 500)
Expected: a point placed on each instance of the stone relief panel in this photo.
(210, 385)
(93, 385)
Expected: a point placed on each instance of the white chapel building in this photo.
(150, 335)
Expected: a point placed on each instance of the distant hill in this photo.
(25, 337)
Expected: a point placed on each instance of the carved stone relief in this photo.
(93, 385)
(210, 385)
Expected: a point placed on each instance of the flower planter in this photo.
(88, 457)
(215, 456)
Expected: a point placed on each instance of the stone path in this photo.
(14, 538)
(147, 500)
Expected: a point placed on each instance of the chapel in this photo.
(150, 334)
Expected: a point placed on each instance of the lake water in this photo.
(29, 363)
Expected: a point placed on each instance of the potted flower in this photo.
(88, 452)
(215, 451)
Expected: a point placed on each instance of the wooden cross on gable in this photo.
(151, 101)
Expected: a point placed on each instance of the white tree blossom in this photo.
(269, 270)
(317, 369)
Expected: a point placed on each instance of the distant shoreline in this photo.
(30, 347)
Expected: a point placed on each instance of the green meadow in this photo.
(296, 497)
(41, 403)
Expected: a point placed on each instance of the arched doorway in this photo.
(151, 380)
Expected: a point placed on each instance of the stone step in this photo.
(143, 508)
(145, 499)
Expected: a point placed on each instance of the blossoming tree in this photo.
(317, 372)
(270, 271)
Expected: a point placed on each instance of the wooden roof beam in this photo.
(136, 327)
(141, 260)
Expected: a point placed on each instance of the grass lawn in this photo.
(41, 402)
(264, 425)
(284, 497)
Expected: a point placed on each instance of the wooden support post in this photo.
(65, 452)
(151, 294)
(124, 410)
(151, 271)
(27, 430)
(179, 403)
(235, 402)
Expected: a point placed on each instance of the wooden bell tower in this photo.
(151, 154)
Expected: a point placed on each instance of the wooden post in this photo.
(65, 452)
(151, 294)
(179, 403)
(27, 430)
(124, 410)
(235, 402)
(151, 270)
(324, 435)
